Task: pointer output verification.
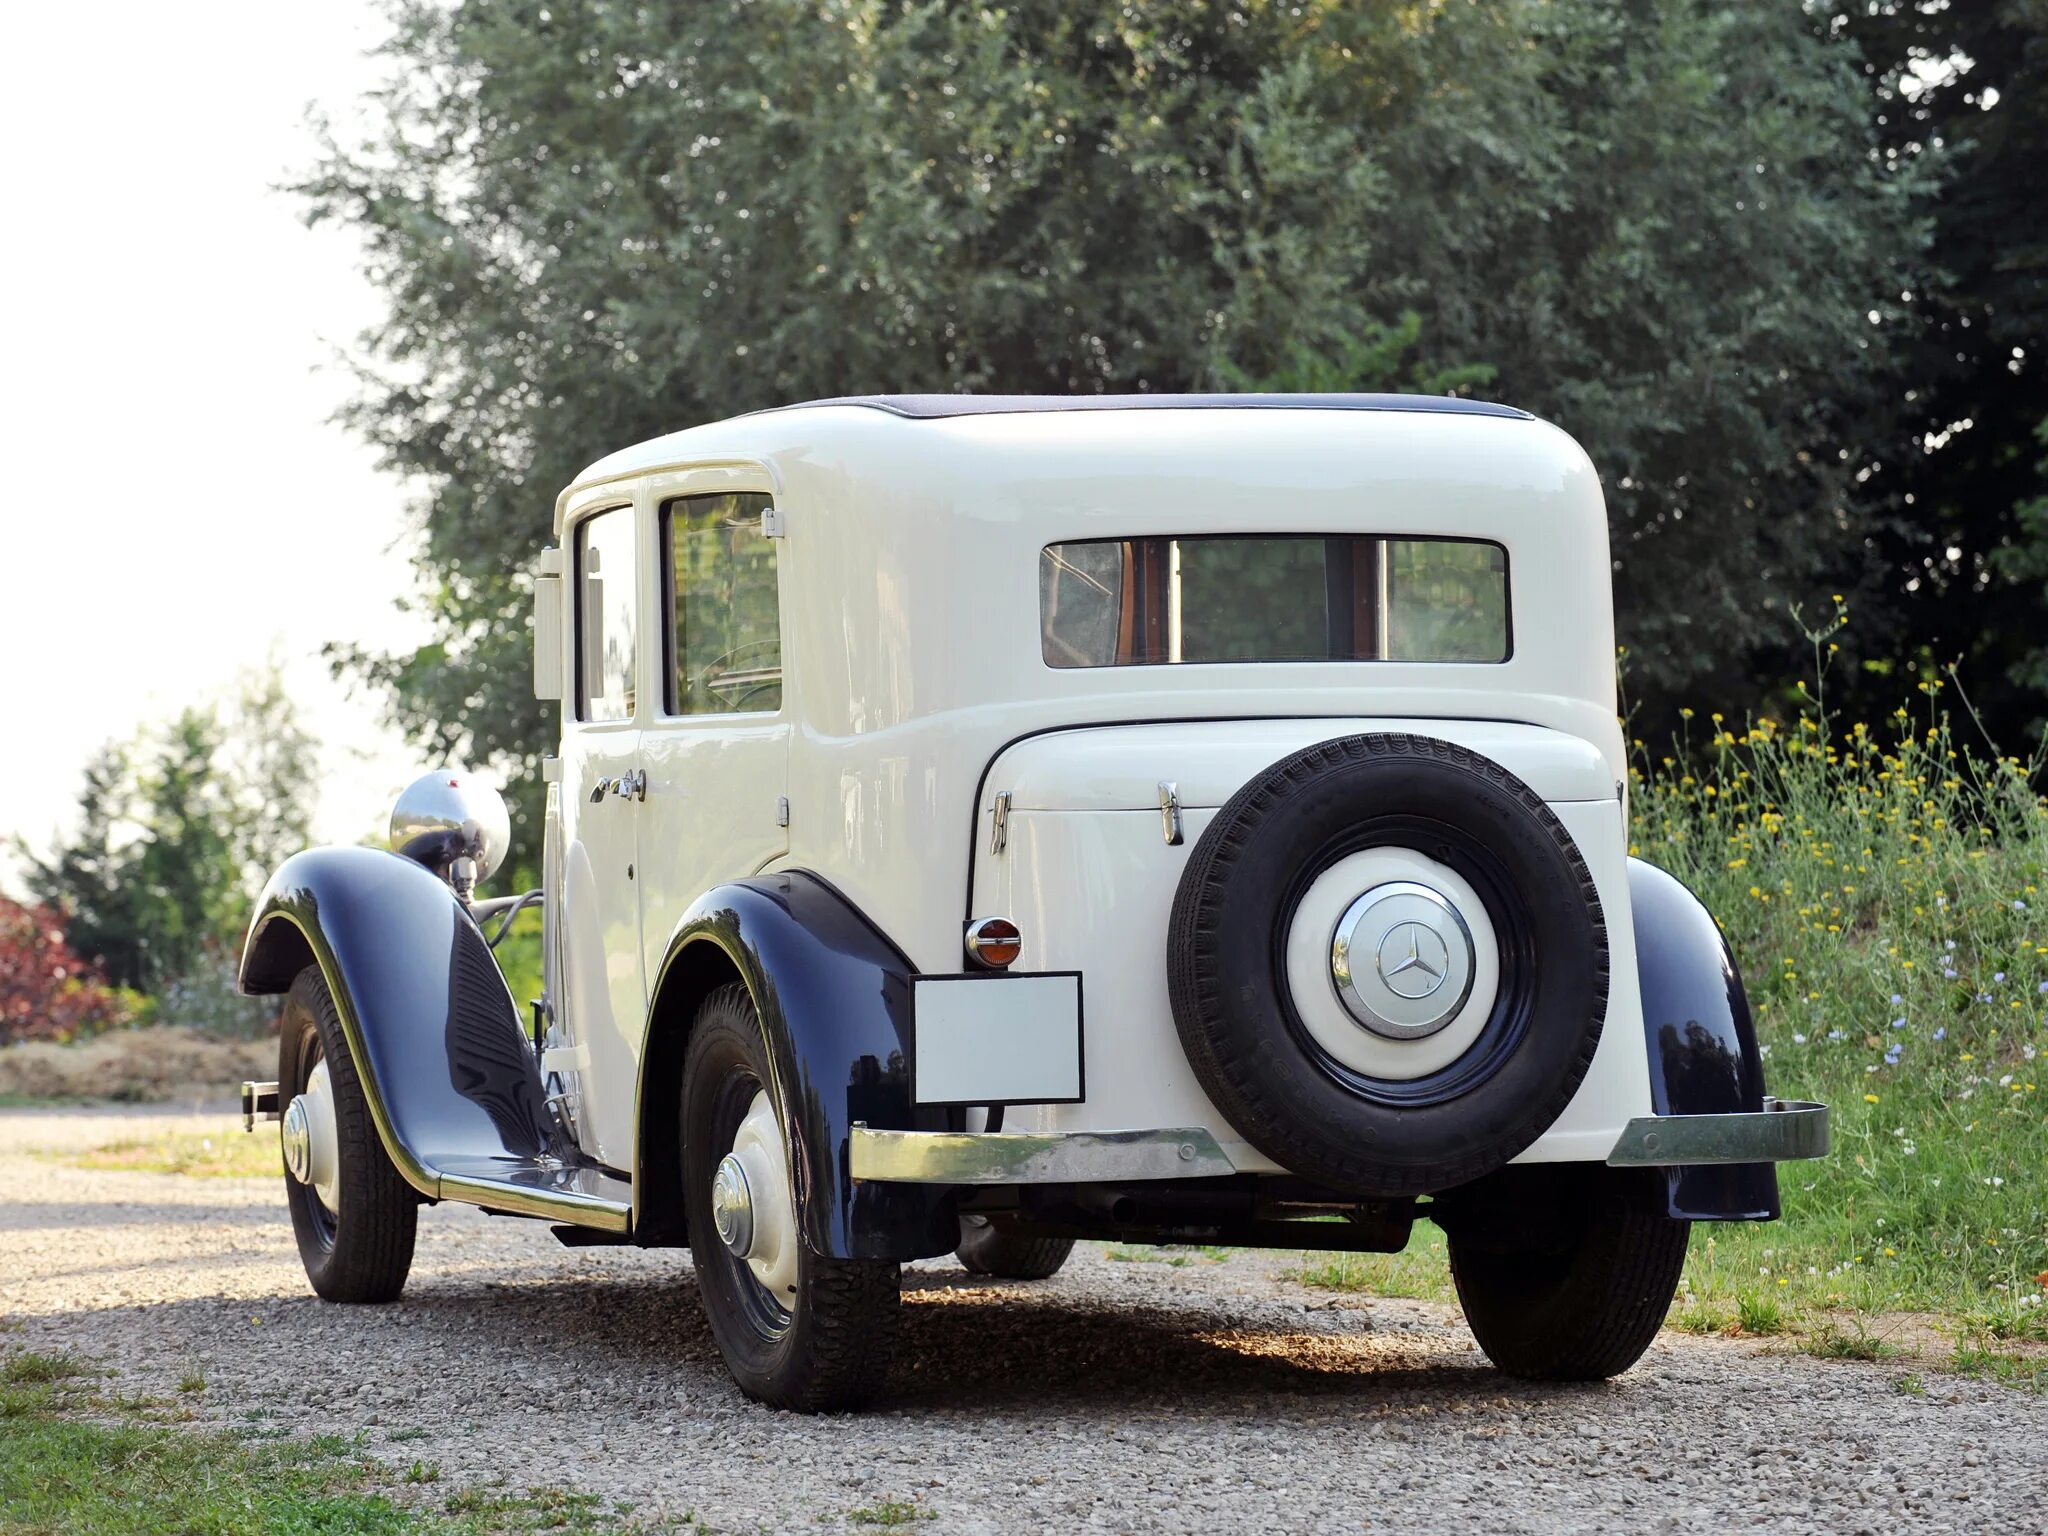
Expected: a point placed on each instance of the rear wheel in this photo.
(355, 1217)
(797, 1329)
(987, 1249)
(1584, 1301)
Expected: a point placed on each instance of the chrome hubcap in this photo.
(732, 1207)
(298, 1143)
(1402, 960)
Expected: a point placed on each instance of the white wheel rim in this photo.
(1313, 989)
(771, 1254)
(310, 1139)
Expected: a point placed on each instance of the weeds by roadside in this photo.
(1883, 891)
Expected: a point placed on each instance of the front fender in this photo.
(1702, 1042)
(450, 1081)
(834, 999)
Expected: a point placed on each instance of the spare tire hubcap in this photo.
(1402, 960)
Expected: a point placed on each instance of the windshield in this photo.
(1272, 597)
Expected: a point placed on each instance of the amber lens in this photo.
(994, 942)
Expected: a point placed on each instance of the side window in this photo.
(725, 635)
(607, 633)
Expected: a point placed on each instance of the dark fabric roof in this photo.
(930, 407)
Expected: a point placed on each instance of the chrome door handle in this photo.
(630, 785)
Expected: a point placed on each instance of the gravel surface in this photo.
(1119, 1396)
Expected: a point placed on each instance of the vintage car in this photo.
(986, 822)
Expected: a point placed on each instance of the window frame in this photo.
(664, 550)
(1380, 584)
(577, 701)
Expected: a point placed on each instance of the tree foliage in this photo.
(1952, 489)
(176, 831)
(1663, 225)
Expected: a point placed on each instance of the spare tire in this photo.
(1388, 964)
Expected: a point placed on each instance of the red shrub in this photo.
(47, 992)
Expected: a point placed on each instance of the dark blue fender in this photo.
(451, 1083)
(834, 998)
(1702, 1042)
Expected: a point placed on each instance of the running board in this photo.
(552, 1191)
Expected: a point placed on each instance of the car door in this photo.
(605, 998)
(716, 744)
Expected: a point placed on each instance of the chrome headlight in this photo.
(446, 816)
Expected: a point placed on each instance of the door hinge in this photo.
(999, 822)
(771, 522)
(782, 810)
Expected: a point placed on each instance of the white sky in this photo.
(178, 503)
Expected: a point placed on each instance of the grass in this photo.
(1174, 1255)
(1831, 1340)
(72, 1460)
(2029, 1372)
(1422, 1270)
(1885, 891)
(231, 1154)
(888, 1512)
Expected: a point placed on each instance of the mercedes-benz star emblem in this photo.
(1413, 960)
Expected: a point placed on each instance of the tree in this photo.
(1949, 488)
(176, 832)
(1662, 224)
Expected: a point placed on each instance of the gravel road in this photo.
(1215, 1397)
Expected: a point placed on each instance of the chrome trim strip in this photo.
(1783, 1131)
(1020, 1157)
(557, 1205)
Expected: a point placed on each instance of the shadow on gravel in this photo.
(61, 1217)
(1029, 1352)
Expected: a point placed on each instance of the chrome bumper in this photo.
(1783, 1131)
(1022, 1157)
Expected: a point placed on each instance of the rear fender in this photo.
(833, 995)
(433, 1030)
(1701, 1040)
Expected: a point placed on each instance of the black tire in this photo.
(1231, 1005)
(830, 1348)
(987, 1249)
(1583, 1306)
(362, 1252)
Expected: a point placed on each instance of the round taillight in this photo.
(994, 942)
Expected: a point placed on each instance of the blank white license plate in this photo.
(997, 1039)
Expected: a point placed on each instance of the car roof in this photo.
(940, 407)
(866, 433)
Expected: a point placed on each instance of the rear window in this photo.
(1272, 597)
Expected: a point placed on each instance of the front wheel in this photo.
(1582, 1303)
(355, 1218)
(797, 1329)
